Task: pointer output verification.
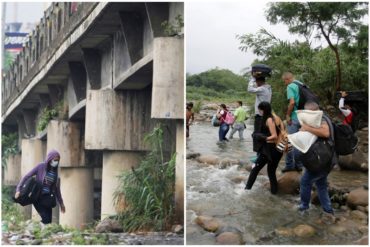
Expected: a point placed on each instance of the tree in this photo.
(335, 21)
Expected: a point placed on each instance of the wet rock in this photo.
(344, 208)
(284, 232)
(239, 179)
(337, 229)
(357, 161)
(288, 183)
(363, 229)
(192, 155)
(224, 163)
(229, 238)
(356, 214)
(208, 159)
(108, 225)
(211, 106)
(178, 229)
(304, 231)
(358, 197)
(208, 223)
(363, 241)
(361, 208)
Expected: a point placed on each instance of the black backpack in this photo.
(321, 156)
(305, 95)
(345, 139)
(29, 192)
(261, 70)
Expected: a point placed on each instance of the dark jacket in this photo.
(40, 171)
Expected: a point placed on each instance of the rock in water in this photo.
(229, 238)
(358, 197)
(239, 179)
(363, 241)
(289, 182)
(108, 225)
(208, 223)
(356, 214)
(177, 229)
(192, 155)
(208, 159)
(304, 231)
(284, 232)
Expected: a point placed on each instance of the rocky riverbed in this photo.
(220, 211)
(35, 233)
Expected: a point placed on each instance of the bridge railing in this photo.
(58, 22)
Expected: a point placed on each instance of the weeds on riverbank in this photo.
(148, 189)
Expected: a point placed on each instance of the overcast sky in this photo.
(26, 12)
(211, 28)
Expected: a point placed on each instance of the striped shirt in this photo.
(49, 180)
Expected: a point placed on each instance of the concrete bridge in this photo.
(111, 73)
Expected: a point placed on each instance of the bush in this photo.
(148, 189)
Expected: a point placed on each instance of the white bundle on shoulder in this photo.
(302, 140)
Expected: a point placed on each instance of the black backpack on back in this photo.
(321, 156)
(29, 192)
(305, 95)
(345, 139)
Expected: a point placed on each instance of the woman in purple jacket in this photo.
(47, 174)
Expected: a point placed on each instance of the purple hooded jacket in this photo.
(40, 172)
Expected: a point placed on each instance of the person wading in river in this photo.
(47, 174)
(267, 152)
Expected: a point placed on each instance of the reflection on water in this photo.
(256, 213)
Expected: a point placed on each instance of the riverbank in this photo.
(220, 211)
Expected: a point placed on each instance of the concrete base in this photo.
(12, 172)
(168, 78)
(113, 164)
(179, 184)
(33, 153)
(77, 188)
(65, 137)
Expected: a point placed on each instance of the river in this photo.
(256, 214)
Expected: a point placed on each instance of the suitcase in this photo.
(261, 70)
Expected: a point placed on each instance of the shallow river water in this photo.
(255, 213)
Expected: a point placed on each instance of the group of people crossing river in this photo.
(306, 128)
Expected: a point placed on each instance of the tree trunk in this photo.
(339, 70)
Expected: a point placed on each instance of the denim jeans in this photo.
(291, 158)
(224, 128)
(320, 180)
(237, 127)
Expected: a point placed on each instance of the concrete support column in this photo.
(77, 188)
(12, 172)
(179, 184)
(114, 162)
(65, 137)
(168, 78)
(33, 153)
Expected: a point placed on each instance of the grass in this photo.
(148, 189)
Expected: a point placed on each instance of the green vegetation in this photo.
(148, 189)
(9, 146)
(217, 85)
(9, 212)
(48, 114)
(317, 67)
(336, 22)
(173, 28)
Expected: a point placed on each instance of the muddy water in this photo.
(254, 213)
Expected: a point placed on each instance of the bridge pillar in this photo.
(77, 188)
(114, 163)
(179, 185)
(12, 172)
(77, 180)
(33, 153)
